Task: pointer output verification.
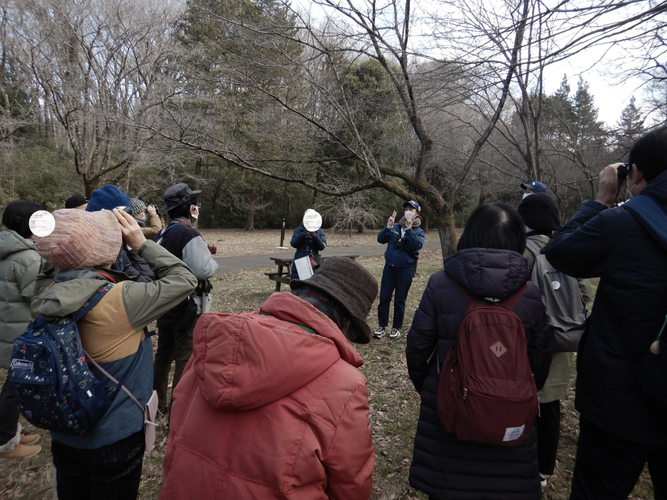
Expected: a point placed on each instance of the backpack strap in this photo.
(650, 215)
(92, 302)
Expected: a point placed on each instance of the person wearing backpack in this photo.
(565, 299)
(621, 427)
(19, 266)
(489, 268)
(105, 462)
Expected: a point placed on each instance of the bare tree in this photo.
(97, 66)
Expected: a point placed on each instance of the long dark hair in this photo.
(495, 225)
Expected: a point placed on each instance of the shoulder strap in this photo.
(163, 231)
(650, 215)
(113, 379)
(92, 302)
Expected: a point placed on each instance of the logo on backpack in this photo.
(57, 390)
(20, 364)
(486, 390)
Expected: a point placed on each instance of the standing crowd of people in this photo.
(271, 403)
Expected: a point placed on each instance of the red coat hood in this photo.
(248, 360)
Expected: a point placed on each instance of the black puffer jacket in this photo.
(628, 312)
(443, 466)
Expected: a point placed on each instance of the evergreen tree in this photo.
(629, 128)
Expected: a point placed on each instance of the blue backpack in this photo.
(57, 390)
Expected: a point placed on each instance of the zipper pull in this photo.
(465, 393)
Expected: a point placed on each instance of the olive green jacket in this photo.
(19, 267)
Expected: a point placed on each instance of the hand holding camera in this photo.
(609, 183)
(151, 209)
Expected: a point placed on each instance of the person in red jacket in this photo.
(272, 404)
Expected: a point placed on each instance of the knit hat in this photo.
(176, 195)
(81, 239)
(137, 205)
(75, 201)
(535, 186)
(107, 198)
(352, 286)
(540, 213)
(17, 216)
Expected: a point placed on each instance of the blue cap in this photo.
(413, 204)
(107, 198)
(535, 186)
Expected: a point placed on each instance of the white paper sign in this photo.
(303, 267)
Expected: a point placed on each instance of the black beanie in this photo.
(540, 213)
(17, 216)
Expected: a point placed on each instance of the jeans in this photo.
(112, 472)
(398, 279)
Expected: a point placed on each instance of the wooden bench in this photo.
(282, 275)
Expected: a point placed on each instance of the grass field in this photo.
(394, 405)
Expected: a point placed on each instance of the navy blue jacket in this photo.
(443, 466)
(631, 301)
(413, 240)
(305, 245)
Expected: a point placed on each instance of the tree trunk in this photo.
(447, 231)
(250, 220)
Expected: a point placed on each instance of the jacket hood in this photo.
(12, 242)
(487, 272)
(248, 360)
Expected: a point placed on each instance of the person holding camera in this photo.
(153, 225)
(105, 462)
(308, 244)
(404, 239)
(621, 426)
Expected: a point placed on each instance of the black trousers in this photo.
(608, 466)
(112, 472)
(548, 434)
(9, 412)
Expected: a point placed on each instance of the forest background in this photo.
(349, 107)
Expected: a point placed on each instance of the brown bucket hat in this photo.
(352, 286)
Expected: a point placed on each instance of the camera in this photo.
(399, 244)
(623, 171)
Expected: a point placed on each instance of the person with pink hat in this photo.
(106, 461)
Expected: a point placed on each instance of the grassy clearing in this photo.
(394, 405)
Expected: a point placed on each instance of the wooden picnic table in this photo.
(282, 275)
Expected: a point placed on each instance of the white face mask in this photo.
(526, 194)
(628, 191)
(194, 211)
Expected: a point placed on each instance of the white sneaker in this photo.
(543, 480)
(394, 333)
(379, 332)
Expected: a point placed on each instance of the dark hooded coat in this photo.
(443, 466)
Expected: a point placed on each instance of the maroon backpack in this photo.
(486, 391)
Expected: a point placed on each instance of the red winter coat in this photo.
(267, 410)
